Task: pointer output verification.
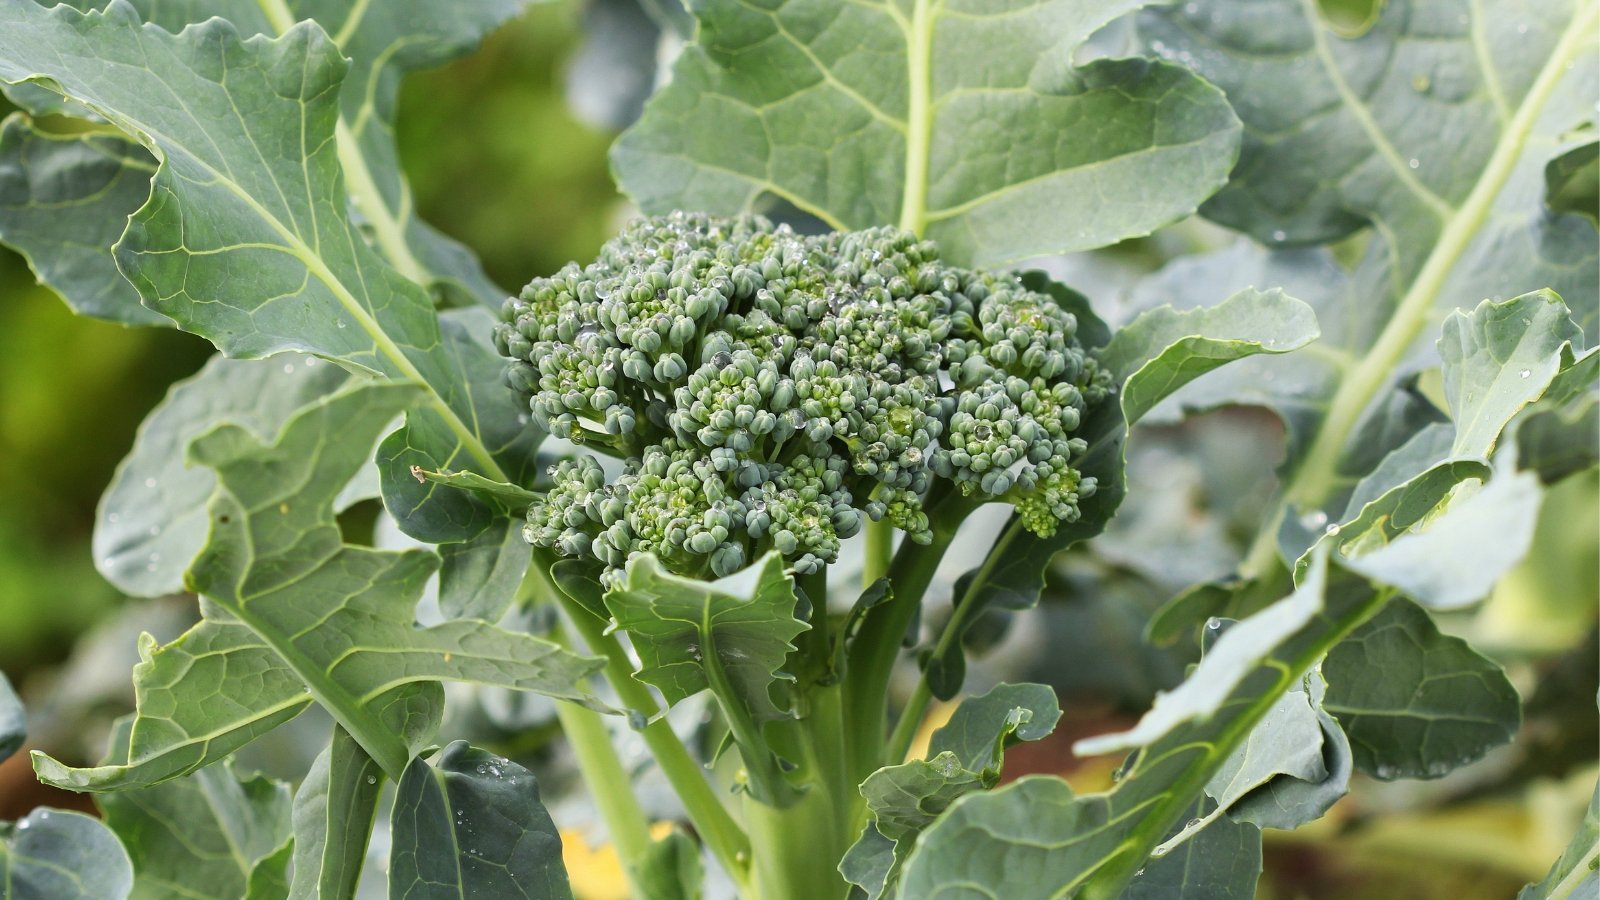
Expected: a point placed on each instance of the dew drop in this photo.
(1413, 163)
(341, 323)
(372, 779)
(1314, 520)
(288, 368)
(1213, 623)
(112, 518)
(1193, 823)
(1191, 8)
(1280, 235)
(1522, 28)
(149, 482)
(1525, 373)
(1333, 528)
(311, 361)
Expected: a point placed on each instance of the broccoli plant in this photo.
(702, 490)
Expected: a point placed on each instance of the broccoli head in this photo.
(771, 390)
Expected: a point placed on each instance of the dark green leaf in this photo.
(1556, 441)
(269, 880)
(51, 853)
(1222, 862)
(333, 814)
(473, 826)
(64, 200)
(1417, 703)
(982, 726)
(205, 833)
(1572, 181)
(875, 113)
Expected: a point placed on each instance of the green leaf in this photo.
(478, 579)
(333, 815)
(691, 636)
(269, 880)
(1572, 181)
(1574, 873)
(510, 497)
(1498, 359)
(256, 156)
(473, 826)
(13, 720)
(1335, 142)
(982, 726)
(1164, 349)
(289, 593)
(1222, 862)
(1416, 703)
(1554, 441)
(875, 113)
(152, 519)
(205, 833)
(964, 755)
(1456, 558)
(64, 200)
(63, 856)
(1054, 842)
(671, 869)
(199, 698)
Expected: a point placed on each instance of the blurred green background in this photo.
(498, 160)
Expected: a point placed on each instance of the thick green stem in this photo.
(711, 819)
(798, 847)
(879, 551)
(877, 645)
(706, 812)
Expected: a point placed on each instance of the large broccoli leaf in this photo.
(64, 856)
(247, 239)
(207, 833)
(1432, 128)
(294, 613)
(965, 121)
(65, 198)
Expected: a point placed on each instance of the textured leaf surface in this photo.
(691, 636)
(473, 826)
(877, 113)
(63, 856)
(205, 833)
(339, 617)
(64, 200)
(152, 520)
(1416, 703)
(964, 755)
(1036, 838)
(1222, 862)
(246, 238)
(333, 815)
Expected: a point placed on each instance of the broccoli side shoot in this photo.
(773, 390)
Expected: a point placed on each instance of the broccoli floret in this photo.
(770, 390)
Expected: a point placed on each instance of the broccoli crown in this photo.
(768, 389)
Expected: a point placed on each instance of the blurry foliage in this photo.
(498, 160)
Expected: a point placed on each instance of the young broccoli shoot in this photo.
(768, 389)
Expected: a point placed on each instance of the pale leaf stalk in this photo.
(1315, 477)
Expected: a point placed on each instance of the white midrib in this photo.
(391, 243)
(360, 183)
(919, 113)
(1314, 478)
